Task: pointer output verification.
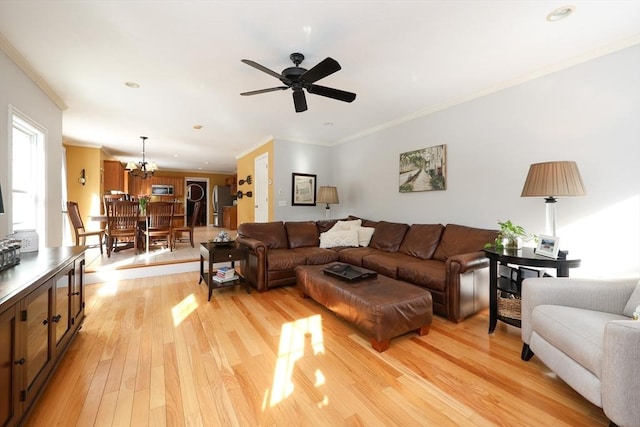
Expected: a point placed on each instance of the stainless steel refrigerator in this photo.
(220, 197)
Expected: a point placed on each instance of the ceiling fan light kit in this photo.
(298, 79)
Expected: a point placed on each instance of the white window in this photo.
(27, 164)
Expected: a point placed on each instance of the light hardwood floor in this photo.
(155, 352)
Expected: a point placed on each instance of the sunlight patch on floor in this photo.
(183, 309)
(291, 349)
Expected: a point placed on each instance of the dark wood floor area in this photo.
(154, 352)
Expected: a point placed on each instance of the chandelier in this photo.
(142, 169)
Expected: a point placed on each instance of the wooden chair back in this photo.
(177, 234)
(122, 222)
(73, 211)
(160, 215)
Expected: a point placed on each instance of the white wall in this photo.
(589, 113)
(291, 157)
(18, 90)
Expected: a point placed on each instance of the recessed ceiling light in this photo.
(132, 85)
(197, 127)
(328, 124)
(560, 13)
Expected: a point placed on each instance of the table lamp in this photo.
(551, 180)
(328, 195)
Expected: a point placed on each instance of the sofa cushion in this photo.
(365, 222)
(428, 273)
(284, 259)
(388, 236)
(633, 302)
(354, 256)
(386, 262)
(339, 238)
(272, 234)
(422, 240)
(316, 256)
(460, 239)
(302, 234)
(577, 332)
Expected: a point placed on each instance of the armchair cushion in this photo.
(576, 331)
(633, 302)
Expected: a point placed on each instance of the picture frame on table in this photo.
(548, 246)
(303, 189)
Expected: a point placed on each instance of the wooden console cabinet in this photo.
(41, 309)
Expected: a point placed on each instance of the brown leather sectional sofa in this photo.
(446, 260)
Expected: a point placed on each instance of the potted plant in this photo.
(510, 235)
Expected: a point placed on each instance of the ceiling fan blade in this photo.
(265, 70)
(299, 100)
(256, 92)
(323, 69)
(330, 92)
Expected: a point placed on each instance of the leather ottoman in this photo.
(383, 308)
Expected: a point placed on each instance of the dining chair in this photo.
(158, 223)
(177, 231)
(106, 198)
(78, 226)
(122, 223)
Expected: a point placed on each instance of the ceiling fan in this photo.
(298, 78)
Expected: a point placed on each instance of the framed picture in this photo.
(548, 246)
(423, 170)
(303, 189)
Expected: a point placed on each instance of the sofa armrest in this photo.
(456, 266)
(606, 295)
(460, 264)
(254, 271)
(620, 372)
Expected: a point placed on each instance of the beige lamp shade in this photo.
(553, 179)
(328, 195)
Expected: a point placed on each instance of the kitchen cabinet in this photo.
(41, 310)
(230, 217)
(114, 176)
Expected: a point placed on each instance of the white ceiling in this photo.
(402, 59)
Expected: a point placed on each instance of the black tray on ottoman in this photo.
(348, 272)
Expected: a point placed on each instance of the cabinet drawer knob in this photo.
(21, 361)
(57, 318)
(230, 255)
(45, 321)
(75, 293)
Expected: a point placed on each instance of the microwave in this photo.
(161, 190)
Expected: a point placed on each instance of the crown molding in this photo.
(562, 65)
(26, 68)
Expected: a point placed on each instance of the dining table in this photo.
(141, 218)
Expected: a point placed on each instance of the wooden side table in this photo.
(524, 257)
(216, 253)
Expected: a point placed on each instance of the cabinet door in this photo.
(61, 317)
(10, 367)
(37, 333)
(77, 294)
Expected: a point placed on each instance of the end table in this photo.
(216, 253)
(525, 257)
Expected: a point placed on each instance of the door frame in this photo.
(207, 190)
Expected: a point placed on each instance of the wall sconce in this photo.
(240, 194)
(247, 180)
(82, 180)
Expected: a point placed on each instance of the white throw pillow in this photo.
(364, 235)
(633, 302)
(346, 225)
(334, 239)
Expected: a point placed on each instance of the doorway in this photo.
(261, 168)
(197, 190)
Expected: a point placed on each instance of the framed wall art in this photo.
(423, 170)
(548, 246)
(303, 189)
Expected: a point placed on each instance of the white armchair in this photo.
(583, 331)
